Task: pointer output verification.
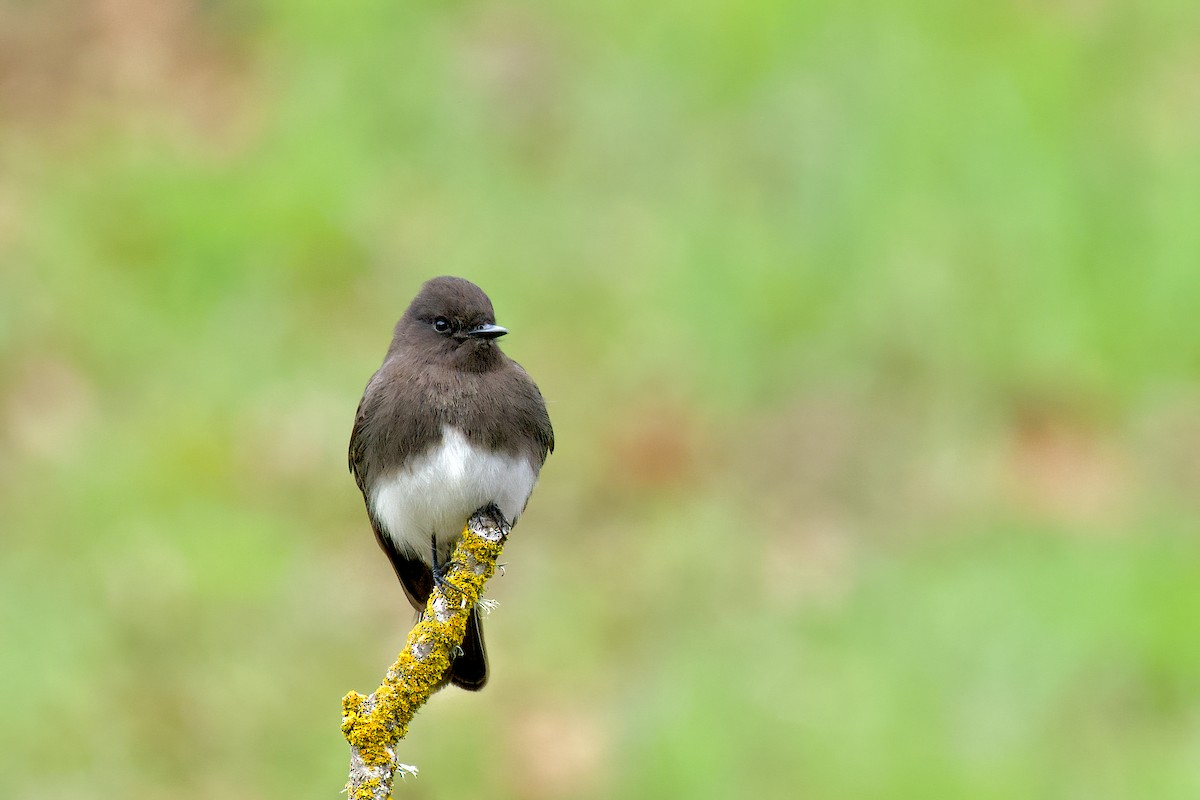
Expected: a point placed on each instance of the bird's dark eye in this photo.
(441, 324)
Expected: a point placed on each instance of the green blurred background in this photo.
(869, 331)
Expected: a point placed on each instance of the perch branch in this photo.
(373, 725)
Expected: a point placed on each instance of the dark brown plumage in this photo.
(448, 420)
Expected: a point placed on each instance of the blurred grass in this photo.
(868, 332)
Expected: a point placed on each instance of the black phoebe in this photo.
(447, 425)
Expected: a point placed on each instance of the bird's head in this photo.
(451, 319)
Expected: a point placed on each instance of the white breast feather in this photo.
(438, 492)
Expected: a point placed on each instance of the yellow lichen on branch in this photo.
(373, 725)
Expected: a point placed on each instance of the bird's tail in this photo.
(470, 670)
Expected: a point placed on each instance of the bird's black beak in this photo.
(487, 331)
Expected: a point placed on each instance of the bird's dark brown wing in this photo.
(416, 578)
(546, 432)
(415, 575)
(532, 418)
(357, 455)
(543, 430)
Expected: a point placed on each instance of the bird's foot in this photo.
(445, 584)
(440, 570)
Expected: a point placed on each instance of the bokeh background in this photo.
(870, 333)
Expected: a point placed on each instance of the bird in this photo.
(448, 424)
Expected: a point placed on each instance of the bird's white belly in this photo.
(436, 494)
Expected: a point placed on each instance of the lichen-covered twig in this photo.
(373, 725)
